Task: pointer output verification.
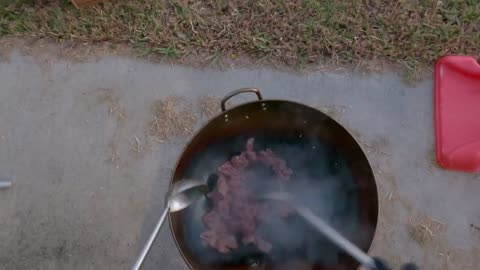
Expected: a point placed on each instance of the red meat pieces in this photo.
(235, 209)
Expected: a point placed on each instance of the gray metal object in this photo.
(180, 196)
(325, 229)
(5, 184)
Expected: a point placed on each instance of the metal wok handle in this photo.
(239, 91)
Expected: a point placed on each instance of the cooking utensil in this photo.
(5, 184)
(320, 144)
(180, 196)
(324, 228)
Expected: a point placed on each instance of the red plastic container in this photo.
(457, 113)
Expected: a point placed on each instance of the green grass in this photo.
(293, 32)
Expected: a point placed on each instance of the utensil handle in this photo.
(337, 238)
(151, 239)
(239, 91)
(5, 184)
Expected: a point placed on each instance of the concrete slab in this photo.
(85, 194)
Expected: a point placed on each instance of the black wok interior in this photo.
(329, 170)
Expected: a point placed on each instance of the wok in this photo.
(330, 171)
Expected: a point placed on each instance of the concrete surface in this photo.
(83, 197)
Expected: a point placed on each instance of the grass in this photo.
(293, 33)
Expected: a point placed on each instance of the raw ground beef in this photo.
(236, 211)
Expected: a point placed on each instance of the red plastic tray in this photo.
(457, 113)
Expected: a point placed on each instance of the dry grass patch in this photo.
(298, 33)
(424, 229)
(172, 117)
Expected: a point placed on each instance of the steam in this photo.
(321, 180)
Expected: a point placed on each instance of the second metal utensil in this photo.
(325, 229)
(180, 196)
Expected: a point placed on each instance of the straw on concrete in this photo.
(171, 117)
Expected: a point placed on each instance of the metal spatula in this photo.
(180, 196)
(324, 228)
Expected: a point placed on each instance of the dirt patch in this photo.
(429, 234)
(171, 117)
